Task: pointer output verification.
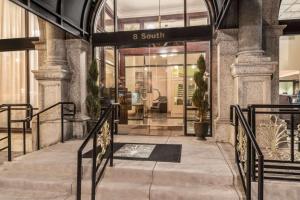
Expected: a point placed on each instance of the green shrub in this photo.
(199, 98)
(93, 92)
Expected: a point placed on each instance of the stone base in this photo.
(79, 126)
(252, 79)
(17, 142)
(224, 131)
(50, 133)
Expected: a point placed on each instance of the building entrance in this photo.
(154, 85)
(148, 56)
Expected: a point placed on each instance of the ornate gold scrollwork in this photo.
(103, 140)
(242, 147)
(272, 137)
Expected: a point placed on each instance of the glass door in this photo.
(153, 89)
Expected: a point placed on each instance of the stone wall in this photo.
(248, 62)
(61, 77)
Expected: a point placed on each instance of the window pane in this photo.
(109, 82)
(104, 21)
(197, 13)
(134, 60)
(141, 15)
(33, 65)
(12, 82)
(33, 26)
(12, 20)
(132, 27)
(108, 22)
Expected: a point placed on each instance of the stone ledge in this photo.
(253, 69)
(50, 74)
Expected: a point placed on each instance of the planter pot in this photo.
(201, 129)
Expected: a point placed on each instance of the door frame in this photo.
(142, 38)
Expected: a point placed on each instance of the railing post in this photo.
(252, 123)
(24, 137)
(292, 139)
(248, 172)
(62, 122)
(112, 132)
(38, 131)
(79, 165)
(260, 177)
(93, 188)
(236, 130)
(9, 132)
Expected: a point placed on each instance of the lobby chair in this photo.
(160, 105)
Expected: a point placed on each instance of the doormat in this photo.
(145, 152)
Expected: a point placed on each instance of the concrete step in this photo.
(199, 192)
(132, 191)
(122, 174)
(190, 177)
(17, 194)
(56, 184)
(107, 190)
(66, 168)
(166, 174)
(125, 191)
(278, 190)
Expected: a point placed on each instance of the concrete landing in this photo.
(51, 174)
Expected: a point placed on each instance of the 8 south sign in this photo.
(148, 36)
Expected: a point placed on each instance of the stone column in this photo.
(214, 84)
(272, 35)
(77, 54)
(250, 29)
(252, 70)
(227, 46)
(53, 80)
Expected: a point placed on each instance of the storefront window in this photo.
(12, 20)
(289, 69)
(17, 83)
(197, 13)
(34, 30)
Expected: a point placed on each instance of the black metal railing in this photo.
(282, 160)
(64, 112)
(8, 108)
(246, 147)
(102, 137)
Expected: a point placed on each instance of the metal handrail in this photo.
(50, 107)
(62, 114)
(237, 117)
(9, 108)
(30, 116)
(108, 115)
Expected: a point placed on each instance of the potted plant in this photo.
(200, 100)
(93, 104)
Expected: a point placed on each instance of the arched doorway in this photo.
(147, 55)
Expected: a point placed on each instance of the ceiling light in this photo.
(150, 26)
